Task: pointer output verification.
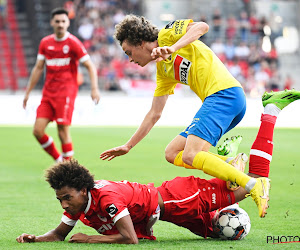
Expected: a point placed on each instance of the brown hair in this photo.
(135, 29)
(71, 174)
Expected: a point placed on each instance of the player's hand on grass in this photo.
(114, 152)
(161, 53)
(23, 238)
(95, 96)
(79, 238)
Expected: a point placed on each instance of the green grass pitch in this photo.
(29, 205)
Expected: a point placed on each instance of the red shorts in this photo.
(190, 202)
(59, 109)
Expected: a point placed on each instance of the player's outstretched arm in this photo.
(35, 75)
(57, 234)
(193, 32)
(149, 121)
(127, 234)
(95, 94)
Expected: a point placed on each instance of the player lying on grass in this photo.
(128, 211)
(124, 211)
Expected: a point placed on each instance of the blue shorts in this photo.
(219, 113)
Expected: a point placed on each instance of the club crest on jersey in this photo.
(66, 49)
(170, 25)
(181, 69)
(112, 210)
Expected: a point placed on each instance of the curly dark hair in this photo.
(71, 174)
(135, 29)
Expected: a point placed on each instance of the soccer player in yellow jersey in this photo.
(182, 58)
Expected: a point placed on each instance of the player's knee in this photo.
(38, 133)
(188, 157)
(170, 155)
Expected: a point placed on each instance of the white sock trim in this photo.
(59, 159)
(229, 159)
(68, 154)
(272, 109)
(250, 184)
(261, 154)
(47, 143)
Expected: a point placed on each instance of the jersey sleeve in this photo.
(41, 52)
(114, 205)
(69, 219)
(172, 32)
(79, 50)
(164, 85)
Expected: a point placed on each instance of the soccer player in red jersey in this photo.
(61, 52)
(124, 211)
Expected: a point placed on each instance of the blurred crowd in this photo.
(245, 44)
(237, 41)
(94, 25)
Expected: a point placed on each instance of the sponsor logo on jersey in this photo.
(170, 25)
(50, 47)
(98, 185)
(179, 27)
(58, 61)
(213, 198)
(181, 69)
(105, 227)
(66, 49)
(112, 210)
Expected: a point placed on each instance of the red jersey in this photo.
(110, 201)
(62, 57)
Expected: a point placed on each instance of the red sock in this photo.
(67, 151)
(48, 145)
(262, 148)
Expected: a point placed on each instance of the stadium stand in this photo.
(238, 29)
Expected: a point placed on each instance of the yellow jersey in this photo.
(195, 65)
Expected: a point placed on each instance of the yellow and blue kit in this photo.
(196, 65)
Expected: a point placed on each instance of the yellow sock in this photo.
(178, 161)
(216, 167)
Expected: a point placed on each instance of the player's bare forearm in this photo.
(141, 132)
(34, 78)
(35, 75)
(95, 94)
(47, 237)
(57, 234)
(50, 236)
(115, 238)
(126, 235)
(149, 121)
(194, 31)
